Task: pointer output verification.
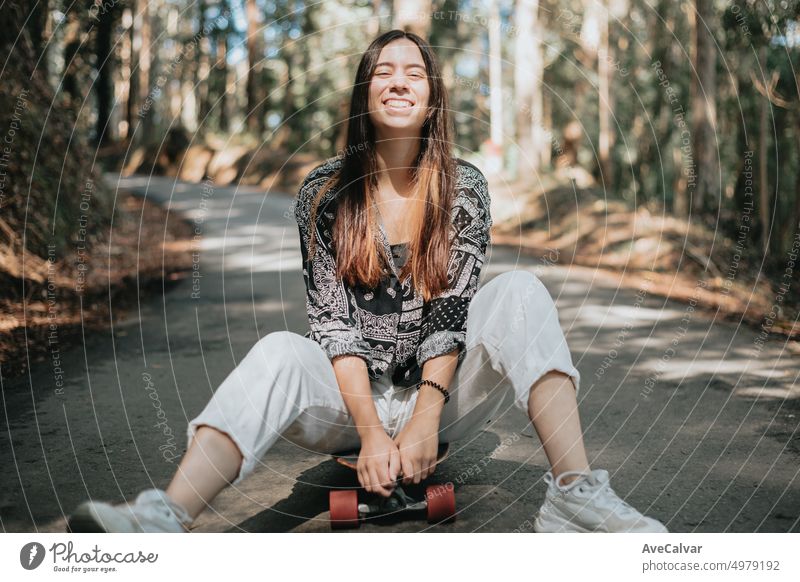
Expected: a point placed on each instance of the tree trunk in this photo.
(604, 105)
(253, 108)
(547, 127)
(39, 26)
(222, 76)
(103, 82)
(528, 87)
(73, 60)
(795, 226)
(374, 25)
(187, 104)
(203, 66)
(657, 49)
(145, 63)
(495, 153)
(703, 107)
(130, 67)
(594, 42)
(764, 198)
(126, 69)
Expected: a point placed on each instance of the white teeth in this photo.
(397, 103)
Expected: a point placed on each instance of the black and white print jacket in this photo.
(390, 327)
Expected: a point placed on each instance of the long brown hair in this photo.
(359, 255)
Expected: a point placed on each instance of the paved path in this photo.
(705, 437)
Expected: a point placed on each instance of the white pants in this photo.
(286, 386)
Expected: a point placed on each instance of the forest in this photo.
(638, 136)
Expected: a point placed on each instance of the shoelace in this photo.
(622, 505)
(580, 484)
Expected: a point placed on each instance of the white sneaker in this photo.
(589, 504)
(153, 511)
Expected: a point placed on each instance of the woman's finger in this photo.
(394, 464)
(431, 468)
(417, 470)
(383, 474)
(376, 482)
(365, 483)
(408, 470)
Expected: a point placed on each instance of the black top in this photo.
(400, 254)
(391, 325)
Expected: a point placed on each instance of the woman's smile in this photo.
(398, 105)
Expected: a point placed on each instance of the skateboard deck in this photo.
(350, 458)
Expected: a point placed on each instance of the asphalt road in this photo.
(694, 418)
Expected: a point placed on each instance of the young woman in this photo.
(404, 351)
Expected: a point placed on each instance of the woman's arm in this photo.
(418, 441)
(333, 326)
(354, 384)
(429, 400)
(379, 459)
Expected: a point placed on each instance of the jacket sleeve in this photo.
(444, 317)
(329, 303)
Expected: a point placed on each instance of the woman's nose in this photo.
(400, 81)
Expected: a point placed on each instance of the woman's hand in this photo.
(378, 462)
(418, 443)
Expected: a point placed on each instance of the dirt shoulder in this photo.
(147, 250)
(645, 248)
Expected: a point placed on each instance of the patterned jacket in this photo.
(390, 327)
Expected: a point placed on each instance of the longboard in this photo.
(350, 458)
(346, 512)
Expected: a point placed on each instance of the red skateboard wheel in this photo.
(441, 501)
(344, 509)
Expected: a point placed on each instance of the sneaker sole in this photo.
(555, 524)
(88, 518)
(83, 524)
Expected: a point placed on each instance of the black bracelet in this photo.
(439, 387)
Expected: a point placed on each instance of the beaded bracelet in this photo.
(439, 387)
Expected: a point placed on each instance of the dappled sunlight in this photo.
(763, 393)
(198, 214)
(595, 317)
(292, 307)
(263, 262)
(224, 242)
(683, 368)
(270, 234)
(622, 340)
(275, 306)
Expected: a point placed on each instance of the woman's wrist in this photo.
(429, 406)
(370, 430)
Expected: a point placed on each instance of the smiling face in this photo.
(399, 89)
